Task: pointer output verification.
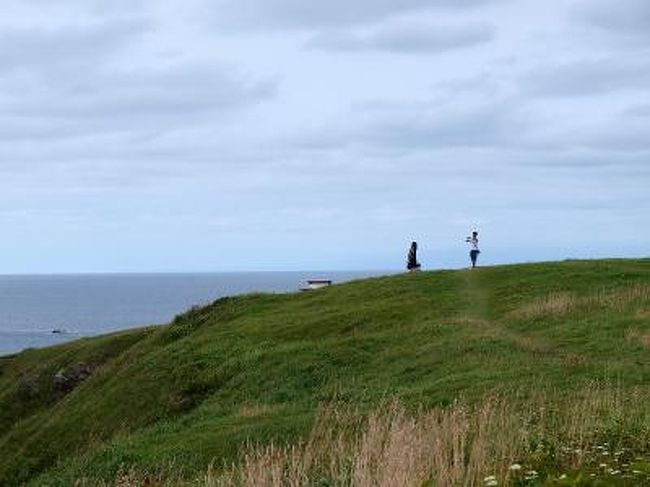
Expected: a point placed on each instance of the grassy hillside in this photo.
(176, 398)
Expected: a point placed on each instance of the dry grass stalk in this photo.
(640, 337)
(642, 314)
(562, 303)
(452, 446)
(556, 304)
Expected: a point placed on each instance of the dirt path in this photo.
(479, 314)
(476, 294)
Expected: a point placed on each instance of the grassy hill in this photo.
(174, 399)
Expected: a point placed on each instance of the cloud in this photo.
(76, 80)
(488, 116)
(629, 20)
(80, 44)
(102, 99)
(587, 76)
(406, 37)
(423, 125)
(639, 110)
(437, 125)
(309, 14)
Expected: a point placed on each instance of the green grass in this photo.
(258, 366)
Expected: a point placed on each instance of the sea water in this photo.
(38, 311)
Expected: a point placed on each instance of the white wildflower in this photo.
(515, 466)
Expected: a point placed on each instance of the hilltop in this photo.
(182, 396)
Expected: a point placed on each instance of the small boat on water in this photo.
(315, 284)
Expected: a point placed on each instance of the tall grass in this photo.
(596, 433)
(498, 441)
(562, 303)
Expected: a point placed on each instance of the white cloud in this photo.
(302, 14)
(627, 21)
(588, 76)
(405, 37)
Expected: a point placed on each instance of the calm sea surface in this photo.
(31, 307)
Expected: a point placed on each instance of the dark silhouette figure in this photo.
(412, 261)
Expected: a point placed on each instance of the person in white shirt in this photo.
(474, 250)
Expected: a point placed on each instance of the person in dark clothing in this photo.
(412, 260)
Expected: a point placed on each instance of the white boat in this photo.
(315, 284)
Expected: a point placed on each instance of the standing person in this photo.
(412, 260)
(474, 250)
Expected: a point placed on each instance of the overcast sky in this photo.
(209, 135)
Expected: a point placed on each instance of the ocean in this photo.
(32, 308)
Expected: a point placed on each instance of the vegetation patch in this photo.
(454, 376)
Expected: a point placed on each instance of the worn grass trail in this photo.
(481, 311)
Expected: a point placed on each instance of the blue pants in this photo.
(473, 254)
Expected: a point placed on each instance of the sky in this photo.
(228, 135)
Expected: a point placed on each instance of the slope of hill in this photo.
(258, 367)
